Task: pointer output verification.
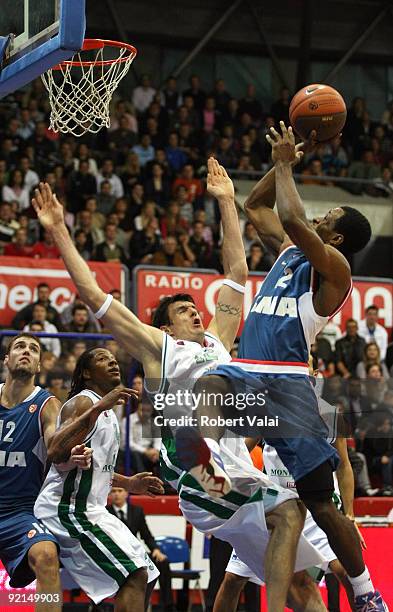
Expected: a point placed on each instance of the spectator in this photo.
(250, 105)
(80, 241)
(66, 315)
(372, 331)
(366, 169)
(359, 407)
(250, 236)
(84, 154)
(172, 221)
(124, 220)
(280, 108)
(314, 169)
(170, 254)
(148, 212)
(144, 244)
(110, 250)
(144, 150)
(375, 384)
(26, 125)
(107, 174)
(349, 350)
(97, 218)
(200, 215)
(39, 315)
(258, 260)
(186, 207)
(46, 248)
(175, 156)
(8, 225)
(210, 116)
(143, 95)
(380, 442)
(225, 154)
(48, 359)
(44, 149)
(79, 324)
(31, 178)
(19, 247)
(105, 198)
(55, 385)
(124, 109)
(82, 185)
(131, 172)
(94, 236)
(384, 184)
(25, 315)
(157, 187)
(195, 92)
(371, 356)
(31, 226)
(170, 97)
(192, 184)
(16, 190)
(220, 95)
(199, 247)
(134, 517)
(122, 139)
(332, 333)
(245, 168)
(144, 441)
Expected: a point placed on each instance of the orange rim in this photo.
(90, 44)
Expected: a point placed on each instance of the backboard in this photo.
(35, 35)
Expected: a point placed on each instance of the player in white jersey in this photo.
(183, 323)
(98, 551)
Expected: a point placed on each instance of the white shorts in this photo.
(99, 552)
(311, 532)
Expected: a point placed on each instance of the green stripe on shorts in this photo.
(208, 505)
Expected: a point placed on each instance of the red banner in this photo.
(151, 284)
(19, 277)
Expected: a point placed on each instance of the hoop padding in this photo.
(80, 91)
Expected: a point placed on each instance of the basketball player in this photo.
(28, 416)
(182, 343)
(307, 285)
(96, 548)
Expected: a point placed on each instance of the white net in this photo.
(80, 91)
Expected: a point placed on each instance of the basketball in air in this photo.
(320, 108)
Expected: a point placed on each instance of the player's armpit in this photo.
(226, 321)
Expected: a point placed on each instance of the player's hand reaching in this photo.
(284, 149)
(80, 457)
(219, 185)
(119, 395)
(146, 484)
(48, 208)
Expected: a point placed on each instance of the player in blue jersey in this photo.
(28, 416)
(307, 285)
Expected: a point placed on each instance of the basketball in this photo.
(320, 108)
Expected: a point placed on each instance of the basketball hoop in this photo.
(80, 90)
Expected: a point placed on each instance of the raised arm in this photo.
(259, 207)
(226, 321)
(78, 419)
(326, 260)
(141, 341)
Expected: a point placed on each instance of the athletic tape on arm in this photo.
(104, 308)
(234, 285)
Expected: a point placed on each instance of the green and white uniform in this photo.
(96, 548)
(239, 516)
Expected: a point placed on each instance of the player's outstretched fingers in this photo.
(270, 140)
(274, 132)
(283, 127)
(291, 135)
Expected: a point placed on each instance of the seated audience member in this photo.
(323, 356)
(372, 331)
(105, 198)
(314, 169)
(380, 447)
(250, 236)
(66, 315)
(170, 254)
(148, 212)
(45, 248)
(258, 260)
(359, 407)
(110, 250)
(39, 315)
(134, 517)
(365, 169)
(8, 224)
(19, 247)
(371, 355)
(331, 332)
(67, 364)
(97, 218)
(16, 191)
(25, 315)
(79, 324)
(375, 384)
(349, 350)
(198, 245)
(55, 385)
(48, 363)
(108, 174)
(172, 221)
(144, 244)
(144, 441)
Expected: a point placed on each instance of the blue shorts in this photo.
(19, 530)
(286, 415)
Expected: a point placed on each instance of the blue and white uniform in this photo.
(22, 465)
(273, 359)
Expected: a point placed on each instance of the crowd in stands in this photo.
(135, 194)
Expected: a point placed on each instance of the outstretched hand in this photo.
(145, 483)
(48, 208)
(283, 145)
(219, 185)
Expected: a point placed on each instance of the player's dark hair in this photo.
(355, 228)
(161, 316)
(78, 381)
(23, 335)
